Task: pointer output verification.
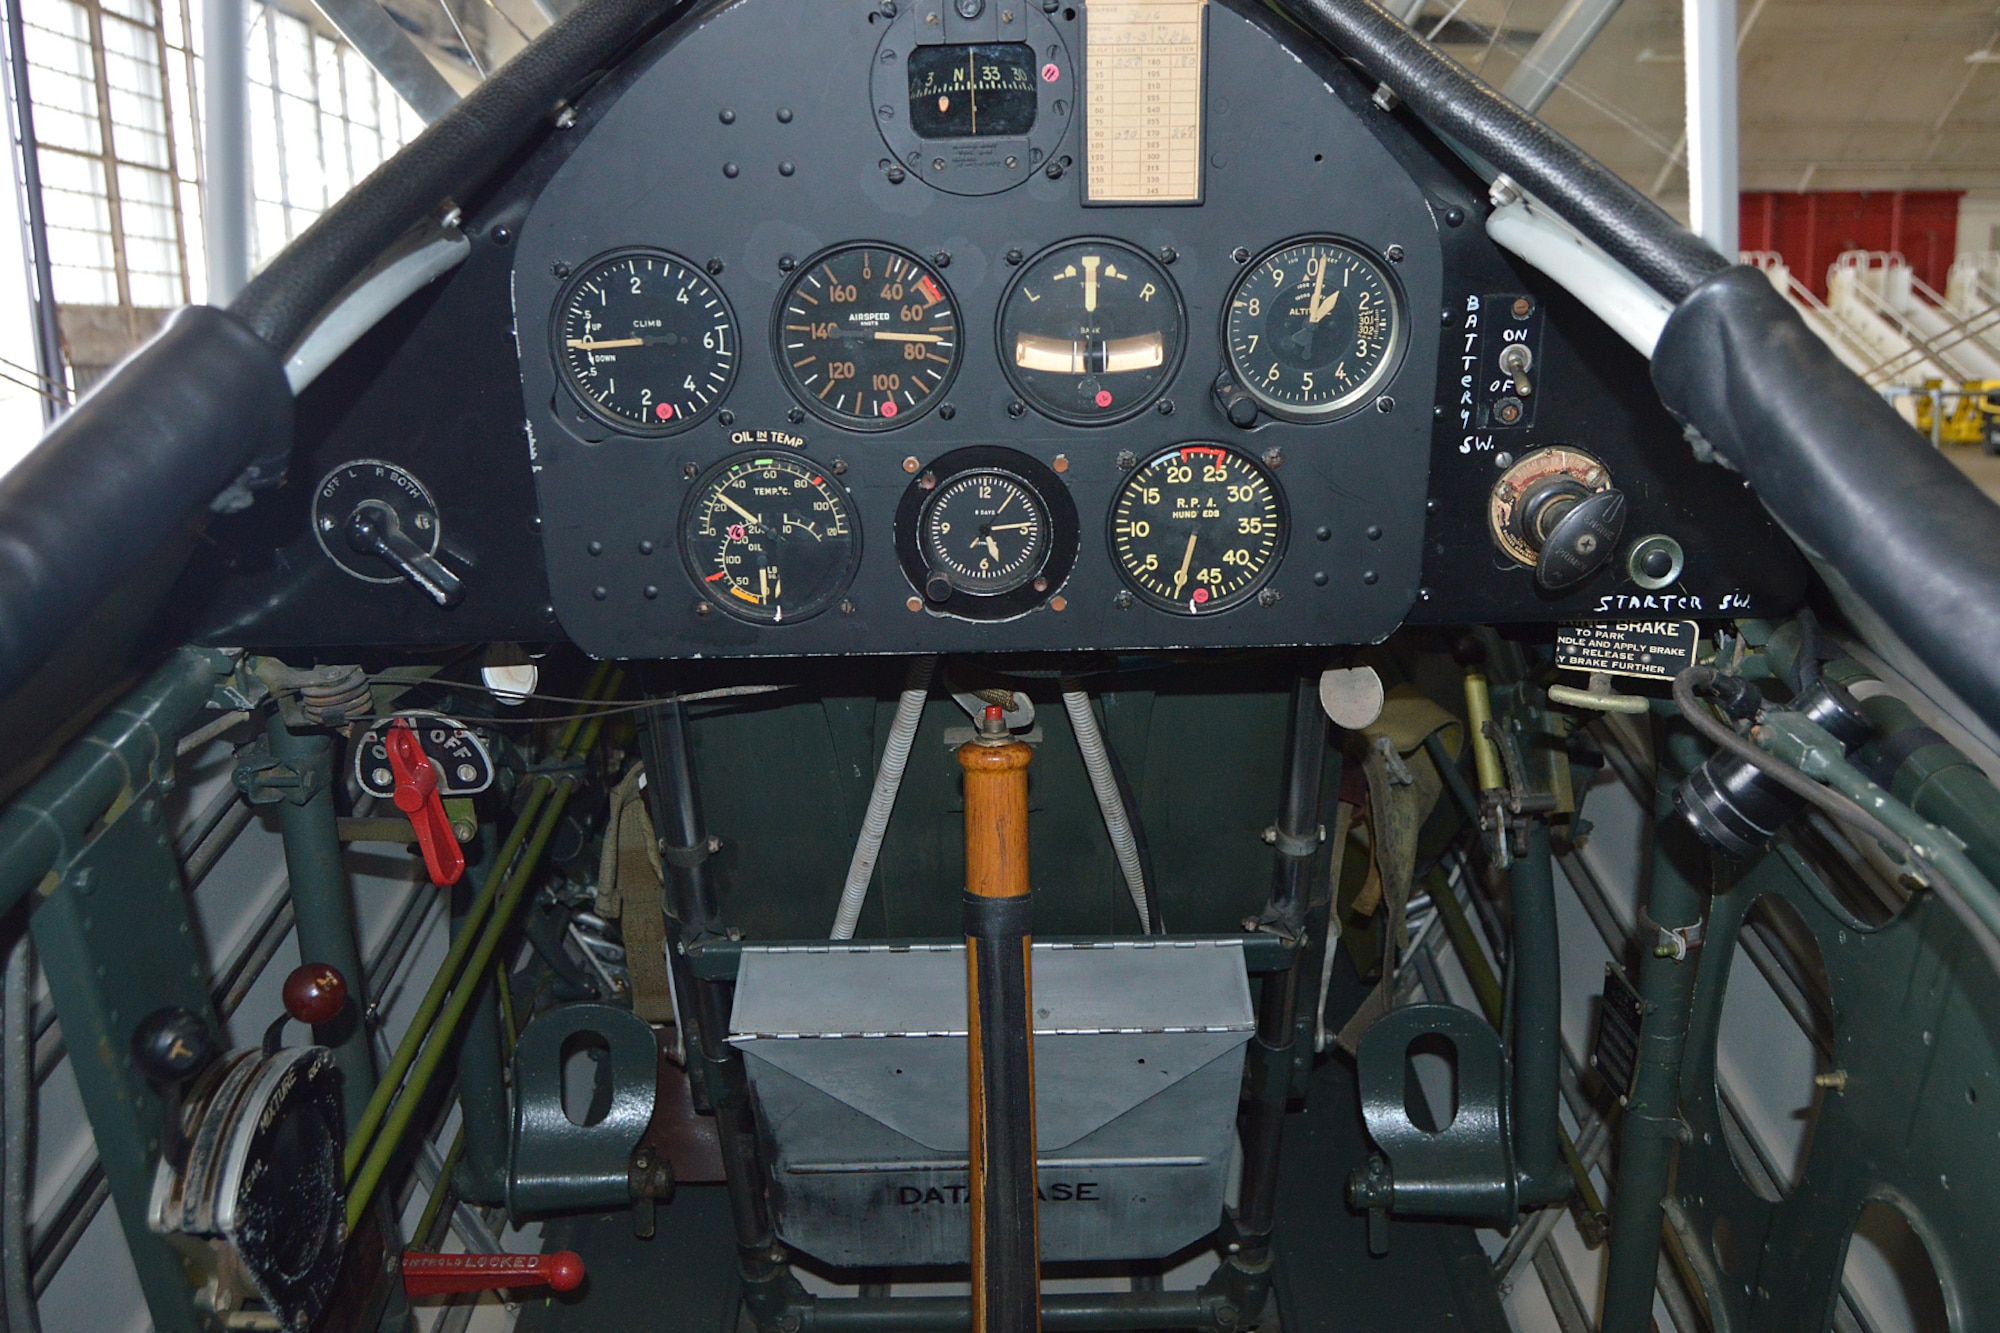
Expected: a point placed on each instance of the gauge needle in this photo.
(1090, 263)
(740, 509)
(592, 345)
(1321, 309)
(1180, 575)
(1011, 527)
(884, 337)
(992, 547)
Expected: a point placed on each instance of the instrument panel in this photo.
(843, 327)
(988, 416)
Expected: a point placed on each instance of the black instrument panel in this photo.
(768, 390)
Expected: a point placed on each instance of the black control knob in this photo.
(1238, 406)
(172, 1045)
(374, 529)
(1572, 529)
(938, 586)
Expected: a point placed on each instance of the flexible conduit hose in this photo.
(19, 1108)
(1090, 741)
(882, 800)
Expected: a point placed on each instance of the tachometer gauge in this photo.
(1197, 529)
(867, 336)
(770, 538)
(986, 531)
(645, 341)
(1313, 329)
(1090, 331)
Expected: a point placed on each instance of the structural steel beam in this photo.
(226, 130)
(395, 57)
(1556, 51)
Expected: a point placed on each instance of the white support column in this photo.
(226, 149)
(1709, 42)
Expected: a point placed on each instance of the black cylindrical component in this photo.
(1628, 226)
(1002, 1131)
(1736, 808)
(1537, 976)
(1268, 1063)
(674, 800)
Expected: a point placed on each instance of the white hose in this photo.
(882, 800)
(1097, 763)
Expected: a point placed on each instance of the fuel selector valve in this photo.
(380, 525)
(1557, 512)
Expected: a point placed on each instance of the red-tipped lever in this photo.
(417, 796)
(442, 1274)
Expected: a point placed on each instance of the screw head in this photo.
(727, 116)
(786, 168)
(690, 471)
(1041, 583)
(910, 465)
(1319, 578)
(1058, 604)
(702, 608)
(795, 414)
(652, 591)
(501, 235)
(847, 606)
(1385, 404)
(1017, 408)
(947, 412)
(1268, 597)
(895, 175)
(1123, 601)
(1127, 459)
(1165, 407)
(731, 170)
(1374, 533)
(1014, 257)
(941, 258)
(1168, 254)
(1503, 460)
(646, 547)
(600, 592)
(1053, 170)
(595, 548)
(914, 604)
(1241, 254)
(927, 482)
(726, 417)
(840, 467)
(714, 267)
(1274, 457)
(559, 269)
(1522, 307)
(937, 164)
(1370, 577)
(1395, 253)
(1454, 217)
(1060, 463)
(784, 115)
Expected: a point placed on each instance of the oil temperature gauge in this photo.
(986, 533)
(770, 538)
(1090, 332)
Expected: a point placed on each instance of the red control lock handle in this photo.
(417, 796)
(442, 1274)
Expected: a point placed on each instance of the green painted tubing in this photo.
(428, 1234)
(1650, 1134)
(437, 1040)
(123, 750)
(440, 988)
(436, 1037)
(321, 901)
(1537, 1023)
(448, 972)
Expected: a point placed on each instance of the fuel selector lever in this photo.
(1557, 512)
(380, 525)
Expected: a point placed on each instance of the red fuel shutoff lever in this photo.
(441, 1274)
(417, 796)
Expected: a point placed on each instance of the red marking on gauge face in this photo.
(737, 532)
(664, 411)
(930, 289)
(888, 408)
(1104, 397)
(1050, 73)
(1199, 596)
(1196, 449)
(817, 480)
(716, 575)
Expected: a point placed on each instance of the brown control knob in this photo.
(315, 993)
